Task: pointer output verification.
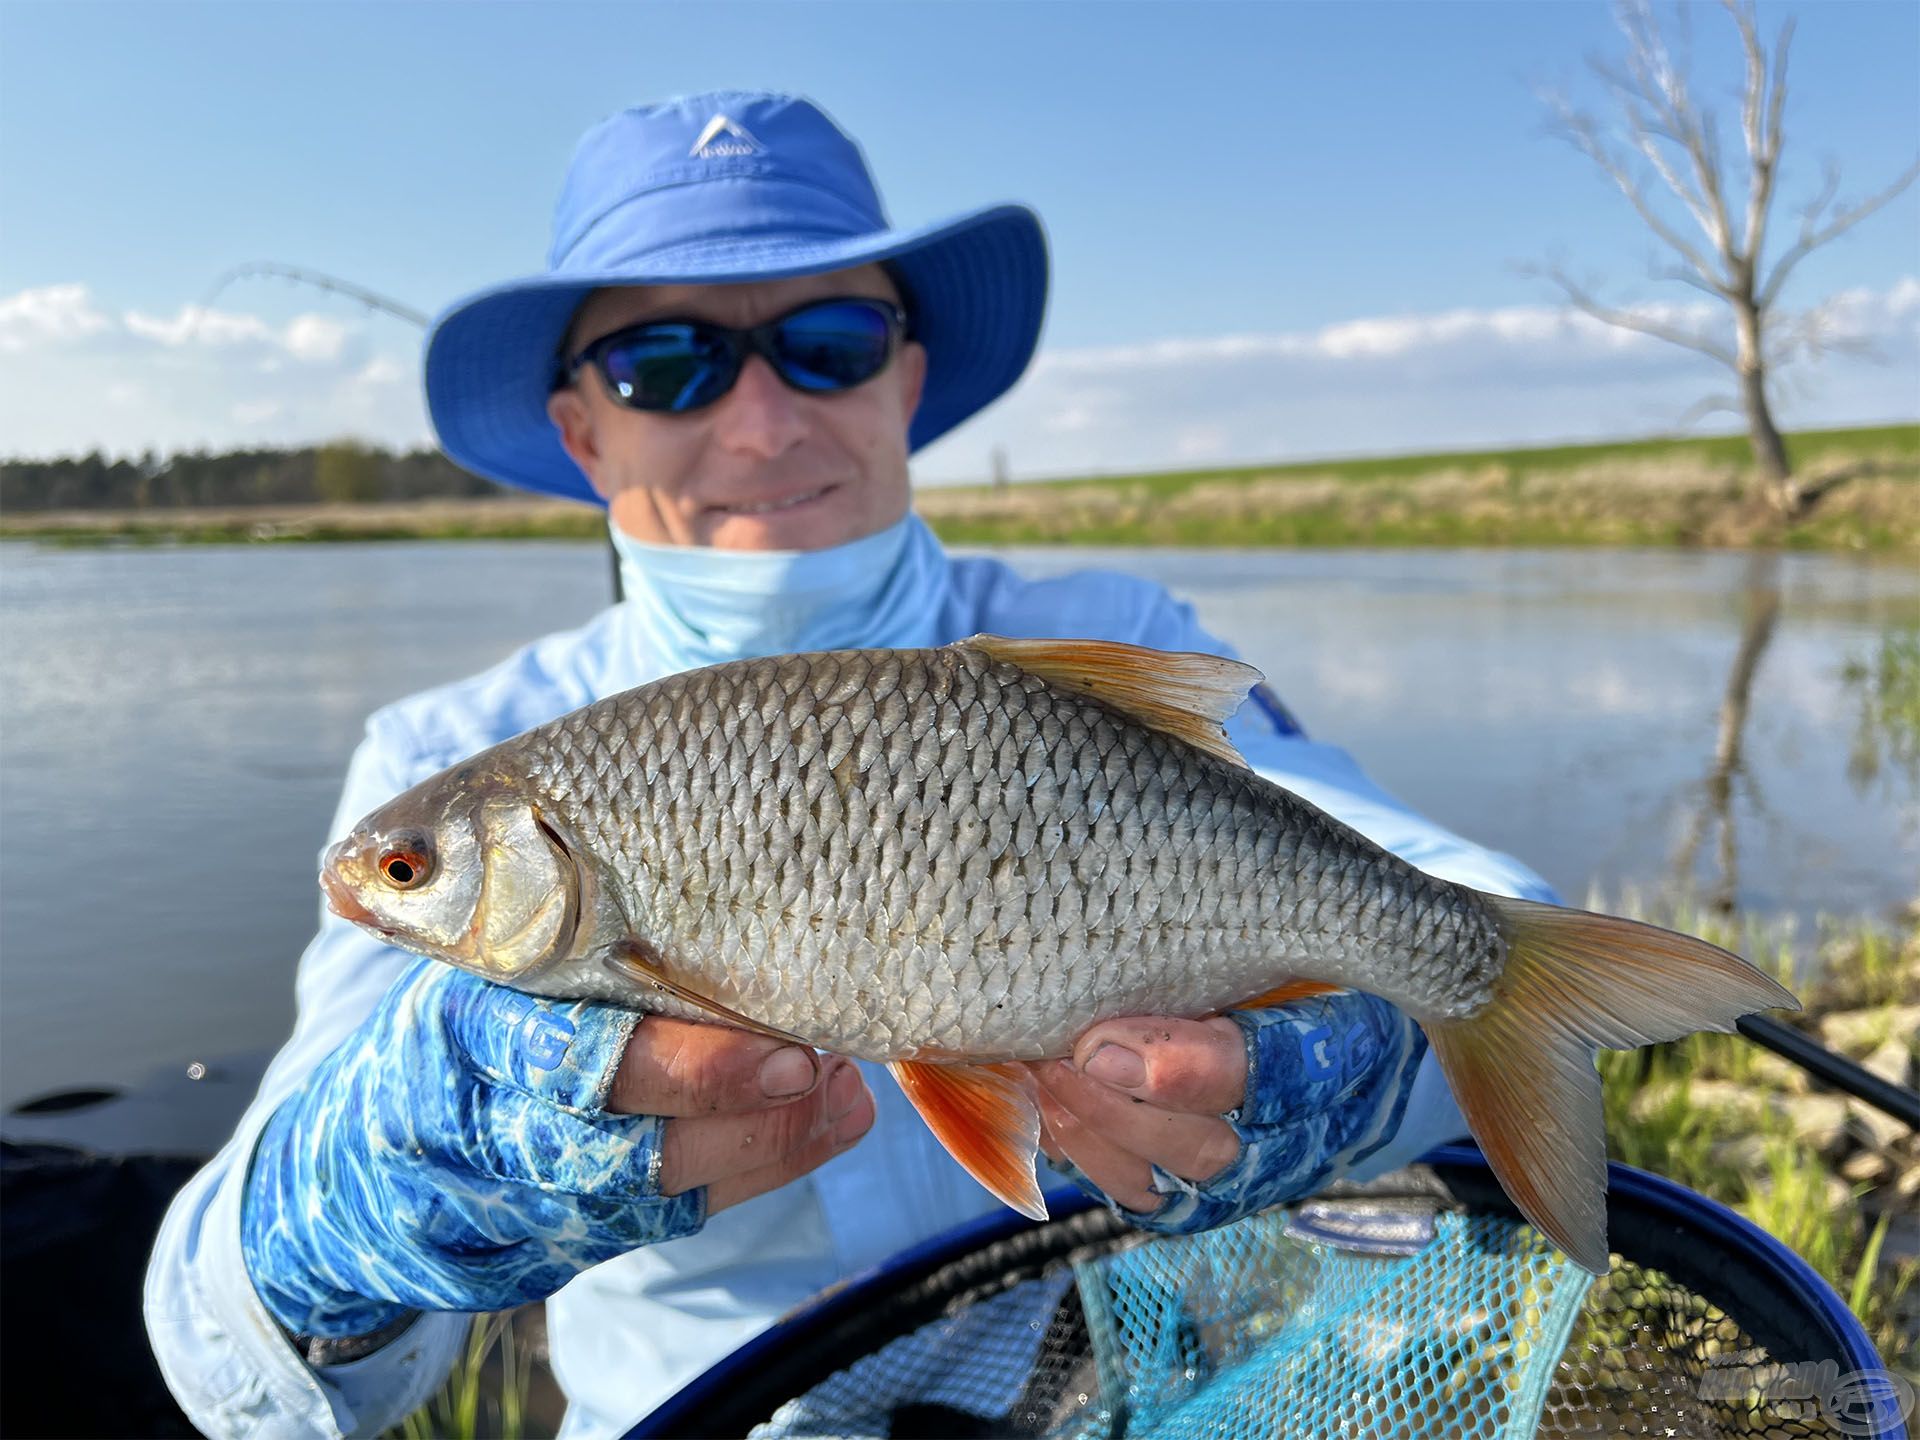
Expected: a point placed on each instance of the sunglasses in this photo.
(681, 365)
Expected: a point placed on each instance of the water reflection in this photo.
(174, 723)
(1886, 739)
(1760, 611)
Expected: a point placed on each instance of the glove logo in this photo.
(1315, 1058)
(541, 1036)
(1321, 1058)
(544, 1039)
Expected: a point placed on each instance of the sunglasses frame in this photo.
(740, 343)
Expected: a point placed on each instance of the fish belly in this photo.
(932, 854)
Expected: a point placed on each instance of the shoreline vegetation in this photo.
(1686, 492)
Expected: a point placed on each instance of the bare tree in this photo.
(1657, 122)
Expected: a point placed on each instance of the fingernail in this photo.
(851, 1126)
(790, 1071)
(1116, 1065)
(844, 1091)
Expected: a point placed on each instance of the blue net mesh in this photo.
(1244, 1332)
(1267, 1328)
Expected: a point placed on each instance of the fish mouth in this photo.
(342, 901)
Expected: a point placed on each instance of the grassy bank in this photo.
(503, 518)
(1651, 492)
(1674, 492)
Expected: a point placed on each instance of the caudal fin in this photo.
(1522, 1068)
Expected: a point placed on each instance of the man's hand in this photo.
(473, 1148)
(1144, 1092)
(1188, 1124)
(747, 1114)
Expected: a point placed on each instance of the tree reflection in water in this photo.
(1760, 613)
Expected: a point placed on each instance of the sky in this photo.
(1278, 230)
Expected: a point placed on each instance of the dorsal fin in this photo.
(1177, 692)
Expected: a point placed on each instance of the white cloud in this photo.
(195, 325)
(198, 378)
(1378, 384)
(51, 314)
(1371, 384)
(315, 337)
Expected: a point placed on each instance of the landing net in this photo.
(1401, 1317)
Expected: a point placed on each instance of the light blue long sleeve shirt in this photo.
(628, 1333)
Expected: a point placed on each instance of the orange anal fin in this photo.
(1292, 990)
(639, 964)
(988, 1117)
(1182, 693)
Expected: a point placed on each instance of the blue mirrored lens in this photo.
(670, 367)
(833, 346)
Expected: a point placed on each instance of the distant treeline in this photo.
(345, 471)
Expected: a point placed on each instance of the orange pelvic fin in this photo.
(988, 1117)
(1179, 693)
(641, 966)
(1522, 1067)
(1292, 990)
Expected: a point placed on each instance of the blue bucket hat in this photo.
(714, 189)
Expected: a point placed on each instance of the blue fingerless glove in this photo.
(453, 1154)
(1327, 1085)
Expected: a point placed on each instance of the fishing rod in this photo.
(1899, 1101)
(333, 284)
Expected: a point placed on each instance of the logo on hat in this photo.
(724, 136)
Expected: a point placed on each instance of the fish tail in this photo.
(1522, 1067)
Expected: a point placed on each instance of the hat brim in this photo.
(977, 287)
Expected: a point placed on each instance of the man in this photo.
(733, 352)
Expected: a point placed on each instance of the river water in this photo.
(174, 723)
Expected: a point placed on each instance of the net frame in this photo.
(1653, 1223)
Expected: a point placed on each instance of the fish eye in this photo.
(406, 865)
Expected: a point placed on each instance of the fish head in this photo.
(462, 868)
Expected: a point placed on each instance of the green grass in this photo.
(1887, 683)
(1805, 448)
(486, 1392)
(1637, 493)
(1656, 1120)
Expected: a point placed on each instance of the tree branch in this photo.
(1661, 87)
(1814, 332)
(1812, 238)
(1581, 131)
(1708, 405)
(1687, 277)
(1760, 118)
(1585, 301)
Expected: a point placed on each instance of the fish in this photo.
(956, 860)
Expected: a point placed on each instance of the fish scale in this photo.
(945, 868)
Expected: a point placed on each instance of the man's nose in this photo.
(760, 416)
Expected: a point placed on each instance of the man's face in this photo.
(765, 467)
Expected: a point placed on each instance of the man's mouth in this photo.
(770, 507)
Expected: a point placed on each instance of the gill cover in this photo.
(529, 900)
